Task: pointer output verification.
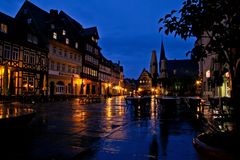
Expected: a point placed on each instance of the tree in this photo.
(219, 22)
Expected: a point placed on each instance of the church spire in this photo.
(154, 64)
(163, 63)
(162, 54)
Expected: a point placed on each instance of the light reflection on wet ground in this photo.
(101, 131)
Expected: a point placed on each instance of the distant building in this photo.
(145, 83)
(176, 77)
(154, 68)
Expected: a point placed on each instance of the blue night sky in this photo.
(128, 29)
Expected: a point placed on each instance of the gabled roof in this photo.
(162, 54)
(144, 71)
(76, 26)
(11, 25)
(5, 18)
(91, 32)
(39, 16)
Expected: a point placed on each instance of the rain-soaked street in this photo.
(101, 131)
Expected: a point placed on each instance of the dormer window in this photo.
(3, 28)
(32, 38)
(64, 32)
(29, 20)
(76, 45)
(67, 41)
(54, 35)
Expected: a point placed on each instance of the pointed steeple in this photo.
(154, 64)
(163, 63)
(162, 54)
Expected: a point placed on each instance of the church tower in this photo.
(154, 69)
(154, 65)
(163, 63)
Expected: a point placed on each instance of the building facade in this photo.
(55, 54)
(23, 58)
(176, 77)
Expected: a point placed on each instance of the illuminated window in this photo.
(3, 28)
(63, 32)
(208, 74)
(54, 35)
(67, 41)
(76, 45)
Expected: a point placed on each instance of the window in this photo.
(31, 38)
(69, 69)
(3, 28)
(75, 56)
(58, 66)
(76, 45)
(60, 52)
(65, 54)
(25, 56)
(31, 59)
(25, 11)
(89, 48)
(29, 20)
(67, 41)
(54, 35)
(42, 61)
(96, 51)
(52, 65)
(63, 67)
(7, 52)
(64, 32)
(71, 56)
(15, 53)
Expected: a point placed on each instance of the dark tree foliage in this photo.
(215, 20)
(218, 21)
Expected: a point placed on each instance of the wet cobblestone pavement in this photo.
(100, 131)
